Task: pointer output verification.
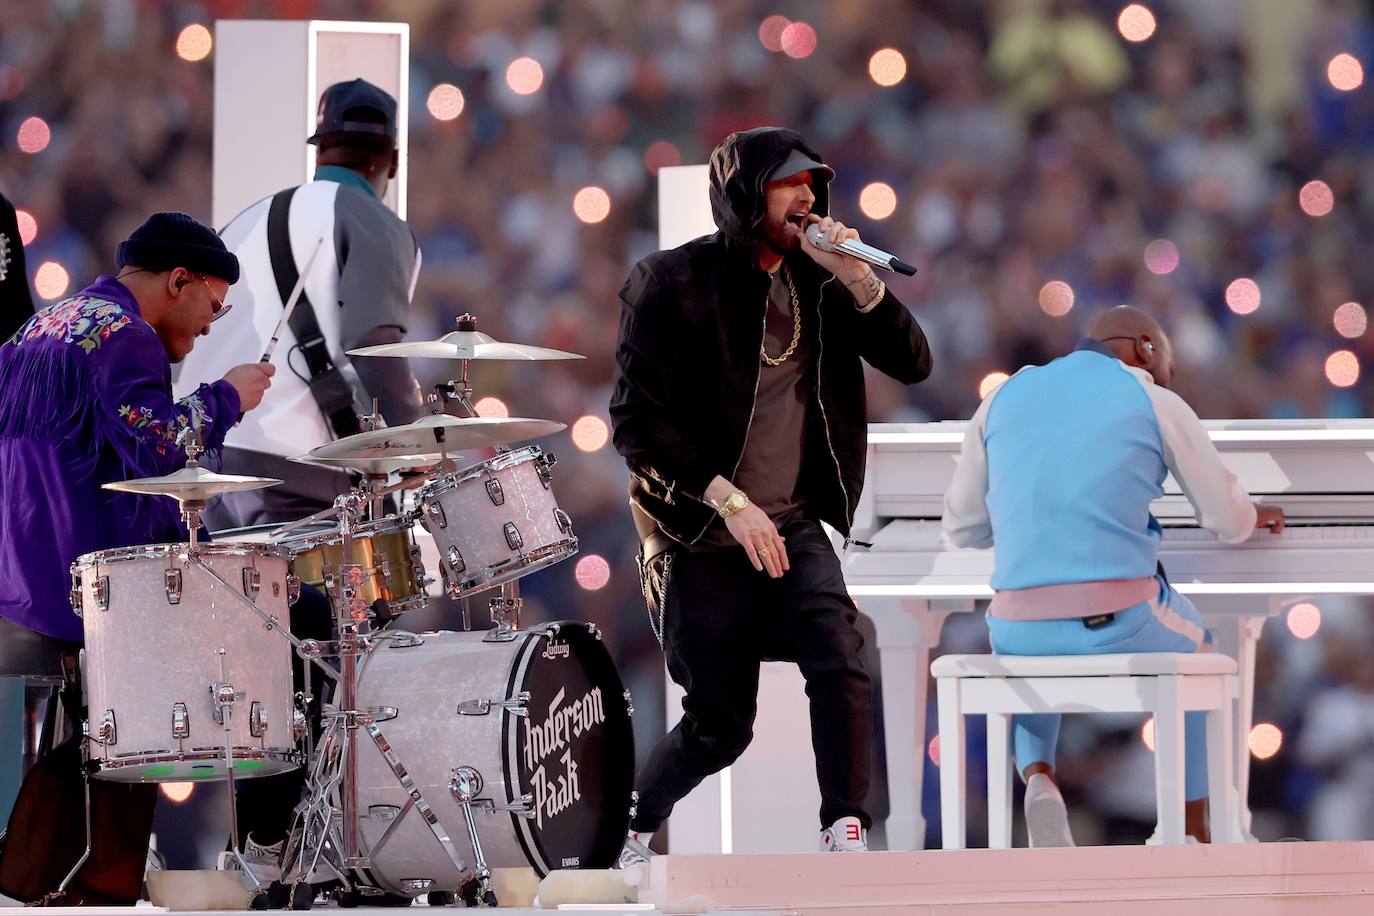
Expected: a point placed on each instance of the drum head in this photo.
(573, 753)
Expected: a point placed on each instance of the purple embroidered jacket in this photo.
(86, 399)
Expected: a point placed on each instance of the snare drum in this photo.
(160, 633)
(496, 521)
(385, 549)
(544, 721)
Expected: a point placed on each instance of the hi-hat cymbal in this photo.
(423, 436)
(192, 483)
(464, 345)
(375, 465)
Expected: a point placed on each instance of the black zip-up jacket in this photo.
(687, 363)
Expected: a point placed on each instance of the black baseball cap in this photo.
(799, 161)
(341, 98)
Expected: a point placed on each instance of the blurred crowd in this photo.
(1043, 164)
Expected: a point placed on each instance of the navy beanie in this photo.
(169, 240)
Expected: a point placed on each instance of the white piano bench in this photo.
(1166, 684)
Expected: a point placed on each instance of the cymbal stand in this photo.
(329, 818)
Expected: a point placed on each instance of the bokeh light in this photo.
(445, 102)
(51, 280)
(1243, 296)
(524, 76)
(1161, 257)
(770, 31)
(34, 135)
(1350, 319)
(887, 67)
(590, 433)
(798, 40)
(990, 383)
(1316, 198)
(194, 43)
(592, 572)
(177, 792)
(592, 204)
(1147, 734)
(491, 407)
(878, 200)
(661, 155)
(1345, 72)
(1343, 368)
(28, 226)
(933, 750)
(1136, 23)
(1265, 740)
(1056, 298)
(1304, 619)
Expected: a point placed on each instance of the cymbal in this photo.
(374, 465)
(464, 345)
(422, 436)
(192, 483)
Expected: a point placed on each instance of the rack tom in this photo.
(496, 521)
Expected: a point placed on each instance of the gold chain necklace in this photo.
(796, 324)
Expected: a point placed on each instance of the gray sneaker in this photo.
(634, 852)
(264, 860)
(1047, 820)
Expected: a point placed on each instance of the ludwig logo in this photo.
(553, 650)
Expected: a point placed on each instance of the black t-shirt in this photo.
(771, 467)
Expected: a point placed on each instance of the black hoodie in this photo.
(687, 364)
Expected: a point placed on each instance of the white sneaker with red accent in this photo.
(845, 835)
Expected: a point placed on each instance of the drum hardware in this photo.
(107, 734)
(517, 705)
(505, 613)
(464, 785)
(521, 807)
(224, 696)
(101, 593)
(171, 584)
(257, 719)
(252, 583)
(513, 536)
(181, 722)
(382, 713)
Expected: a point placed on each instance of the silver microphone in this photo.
(858, 250)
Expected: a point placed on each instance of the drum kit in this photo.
(441, 754)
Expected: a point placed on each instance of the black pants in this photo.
(721, 618)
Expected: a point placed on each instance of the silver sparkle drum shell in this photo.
(565, 751)
(496, 521)
(154, 629)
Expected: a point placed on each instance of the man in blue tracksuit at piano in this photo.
(1058, 469)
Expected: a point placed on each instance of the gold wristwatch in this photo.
(733, 503)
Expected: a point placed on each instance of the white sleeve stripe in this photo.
(1222, 505)
(966, 522)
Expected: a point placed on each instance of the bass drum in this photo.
(543, 718)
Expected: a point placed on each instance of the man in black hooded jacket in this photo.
(739, 407)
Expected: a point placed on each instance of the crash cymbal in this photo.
(192, 483)
(464, 345)
(374, 465)
(422, 436)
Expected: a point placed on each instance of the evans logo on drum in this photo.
(555, 650)
(555, 792)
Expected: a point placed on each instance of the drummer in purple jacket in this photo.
(86, 399)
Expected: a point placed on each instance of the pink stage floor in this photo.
(1255, 879)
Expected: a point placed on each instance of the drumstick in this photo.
(291, 302)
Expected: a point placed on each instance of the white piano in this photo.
(1320, 471)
